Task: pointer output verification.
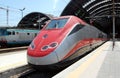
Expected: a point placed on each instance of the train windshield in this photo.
(57, 23)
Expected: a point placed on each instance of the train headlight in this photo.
(44, 47)
(53, 45)
(32, 45)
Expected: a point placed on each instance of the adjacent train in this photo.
(16, 37)
(62, 41)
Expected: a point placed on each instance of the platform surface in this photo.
(12, 60)
(104, 62)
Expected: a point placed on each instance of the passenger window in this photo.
(28, 33)
(35, 34)
(13, 33)
(17, 33)
(9, 33)
(100, 35)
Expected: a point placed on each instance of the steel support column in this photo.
(113, 23)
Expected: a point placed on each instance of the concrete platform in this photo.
(104, 62)
(12, 60)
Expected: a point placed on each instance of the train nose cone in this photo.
(46, 60)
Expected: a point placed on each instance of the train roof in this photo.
(23, 30)
(74, 17)
(71, 16)
(68, 16)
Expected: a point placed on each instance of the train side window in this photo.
(28, 33)
(9, 33)
(76, 28)
(13, 33)
(100, 35)
(35, 34)
(17, 32)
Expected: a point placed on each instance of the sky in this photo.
(54, 7)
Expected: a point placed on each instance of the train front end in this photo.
(42, 51)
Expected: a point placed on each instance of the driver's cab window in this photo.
(57, 23)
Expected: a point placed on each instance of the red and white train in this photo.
(61, 41)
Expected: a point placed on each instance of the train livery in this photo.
(61, 41)
(15, 37)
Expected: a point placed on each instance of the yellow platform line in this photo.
(78, 71)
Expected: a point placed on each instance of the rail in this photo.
(12, 49)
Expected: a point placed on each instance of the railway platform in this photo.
(104, 62)
(12, 60)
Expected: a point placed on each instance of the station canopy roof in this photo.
(97, 12)
(34, 20)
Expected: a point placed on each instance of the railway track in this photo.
(4, 50)
(38, 74)
(14, 73)
(26, 72)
